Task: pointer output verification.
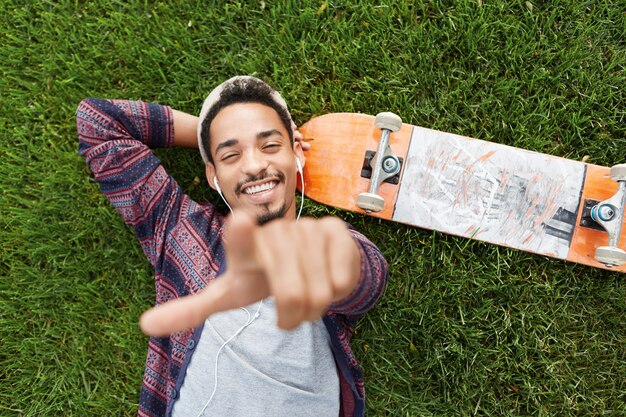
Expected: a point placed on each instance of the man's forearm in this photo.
(185, 130)
(374, 273)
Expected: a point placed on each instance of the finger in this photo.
(186, 312)
(240, 249)
(246, 277)
(344, 257)
(297, 136)
(240, 285)
(276, 252)
(304, 144)
(313, 259)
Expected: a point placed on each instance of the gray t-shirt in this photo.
(263, 371)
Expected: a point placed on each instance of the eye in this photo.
(229, 156)
(272, 147)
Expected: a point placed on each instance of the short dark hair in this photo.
(248, 90)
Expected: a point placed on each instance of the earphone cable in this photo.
(248, 322)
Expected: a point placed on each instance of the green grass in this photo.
(464, 328)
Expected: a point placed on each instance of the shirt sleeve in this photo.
(372, 283)
(115, 138)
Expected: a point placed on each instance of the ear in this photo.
(210, 174)
(297, 150)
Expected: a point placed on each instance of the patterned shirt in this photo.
(182, 240)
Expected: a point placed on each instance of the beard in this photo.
(269, 216)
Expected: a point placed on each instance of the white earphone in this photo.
(248, 322)
(298, 165)
(219, 191)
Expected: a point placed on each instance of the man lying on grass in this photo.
(275, 298)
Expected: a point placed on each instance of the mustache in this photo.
(264, 175)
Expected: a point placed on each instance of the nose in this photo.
(254, 163)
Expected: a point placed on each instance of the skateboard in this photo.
(467, 187)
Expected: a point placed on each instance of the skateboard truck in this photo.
(385, 163)
(366, 170)
(610, 215)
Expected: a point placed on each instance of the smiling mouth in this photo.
(258, 189)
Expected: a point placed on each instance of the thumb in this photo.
(186, 312)
(220, 295)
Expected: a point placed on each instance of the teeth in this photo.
(260, 188)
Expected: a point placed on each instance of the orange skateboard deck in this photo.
(463, 186)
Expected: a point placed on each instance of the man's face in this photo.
(254, 161)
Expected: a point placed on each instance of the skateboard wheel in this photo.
(388, 120)
(610, 256)
(370, 202)
(618, 172)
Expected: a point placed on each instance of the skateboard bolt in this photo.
(390, 164)
(603, 213)
(606, 212)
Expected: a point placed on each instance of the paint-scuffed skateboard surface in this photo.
(462, 186)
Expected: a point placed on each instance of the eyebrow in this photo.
(267, 133)
(226, 144)
(260, 136)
